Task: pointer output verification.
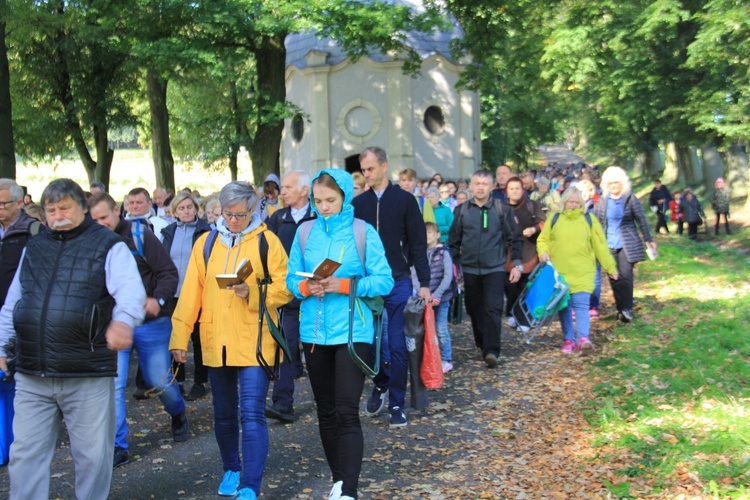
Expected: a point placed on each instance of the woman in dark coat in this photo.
(621, 215)
(179, 238)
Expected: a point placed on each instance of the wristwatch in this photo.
(161, 302)
(519, 267)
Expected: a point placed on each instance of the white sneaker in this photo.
(512, 322)
(524, 329)
(335, 493)
(447, 366)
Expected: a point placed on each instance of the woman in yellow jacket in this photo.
(229, 333)
(574, 242)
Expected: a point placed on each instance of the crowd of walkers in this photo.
(265, 282)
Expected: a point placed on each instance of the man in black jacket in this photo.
(396, 216)
(483, 228)
(159, 277)
(15, 230)
(295, 191)
(73, 303)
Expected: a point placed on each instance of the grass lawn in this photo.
(673, 387)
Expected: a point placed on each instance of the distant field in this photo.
(130, 168)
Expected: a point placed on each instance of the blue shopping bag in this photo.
(7, 392)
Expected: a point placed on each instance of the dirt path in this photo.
(513, 432)
(559, 154)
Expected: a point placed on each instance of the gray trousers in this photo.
(87, 406)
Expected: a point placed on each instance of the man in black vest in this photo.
(72, 304)
(295, 191)
(15, 229)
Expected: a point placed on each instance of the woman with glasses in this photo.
(621, 215)
(337, 382)
(229, 332)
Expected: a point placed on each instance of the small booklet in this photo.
(321, 271)
(244, 270)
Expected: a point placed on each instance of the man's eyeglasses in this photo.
(229, 216)
(4, 204)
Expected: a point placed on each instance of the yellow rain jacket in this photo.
(574, 248)
(225, 319)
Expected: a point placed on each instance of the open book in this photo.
(322, 270)
(244, 270)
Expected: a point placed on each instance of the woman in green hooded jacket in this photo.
(574, 241)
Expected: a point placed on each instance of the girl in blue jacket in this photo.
(337, 382)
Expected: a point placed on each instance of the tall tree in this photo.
(518, 109)
(73, 78)
(7, 150)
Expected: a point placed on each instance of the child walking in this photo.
(441, 288)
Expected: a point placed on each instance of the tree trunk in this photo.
(104, 155)
(161, 149)
(7, 152)
(686, 164)
(713, 166)
(736, 166)
(652, 163)
(672, 171)
(270, 65)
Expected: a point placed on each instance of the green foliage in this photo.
(506, 41)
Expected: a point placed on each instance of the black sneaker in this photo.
(196, 392)
(398, 418)
(626, 316)
(121, 457)
(281, 413)
(140, 394)
(180, 427)
(376, 402)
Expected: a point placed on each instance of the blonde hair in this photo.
(572, 190)
(587, 189)
(179, 198)
(613, 174)
(359, 179)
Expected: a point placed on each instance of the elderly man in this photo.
(295, 191)
(160, 194)
(73, 303)
(15, 230)
(502, 174)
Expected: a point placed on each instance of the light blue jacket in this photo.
(326, 320)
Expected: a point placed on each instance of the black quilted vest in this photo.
(64, 310)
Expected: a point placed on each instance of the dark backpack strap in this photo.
(263, 244)
(208, 246)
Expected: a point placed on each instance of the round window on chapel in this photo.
(298, 128)
(434, 121)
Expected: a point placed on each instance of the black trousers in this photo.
(726, 222)
(661, 221)
(484, 302)
(337, 385)
(622, 287)
(200, 373)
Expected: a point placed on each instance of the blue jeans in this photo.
(579, 302)
(246, 404)
(395, 381)
(151, 340)
(594, 302)
(444, 336)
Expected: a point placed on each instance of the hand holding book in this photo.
(323, 270)
(244, 270)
